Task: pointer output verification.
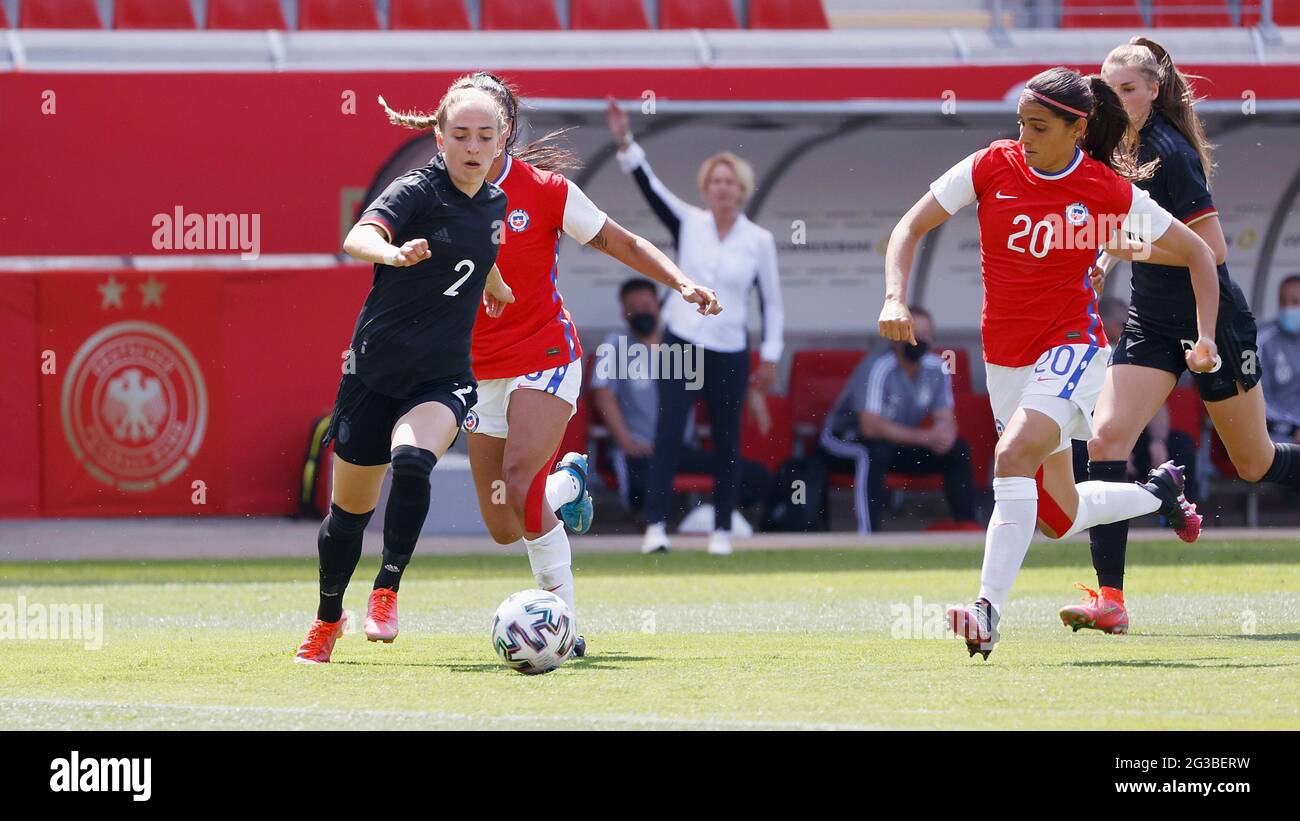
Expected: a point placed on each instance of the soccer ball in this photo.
(533, 632)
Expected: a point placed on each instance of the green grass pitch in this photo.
(788, 639)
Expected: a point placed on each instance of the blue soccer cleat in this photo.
(577, 515)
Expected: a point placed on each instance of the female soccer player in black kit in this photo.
(431, 238)
(1148, 357)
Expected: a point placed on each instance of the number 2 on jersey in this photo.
(452, 290)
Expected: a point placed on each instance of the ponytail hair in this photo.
(419, 121)
(1109, 137)
(1175, 97)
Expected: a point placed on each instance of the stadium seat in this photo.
(245, 14)
(697, 14)
(816, 378)
(153, 14)
(337, 15)
(597, 15)
(426, 15)
(1082, 14)
(1285, 12)
(512, 15)
(4, 19)
(787, 14)
(1190, 13)
(961, 374)
(58, 14)
(1186, 412)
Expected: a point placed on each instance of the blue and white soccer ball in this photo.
(533, 632)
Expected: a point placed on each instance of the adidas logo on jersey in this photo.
(442, 235)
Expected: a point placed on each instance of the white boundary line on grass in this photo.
(615, 721)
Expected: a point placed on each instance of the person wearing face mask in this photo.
(1279, 354)
(628, 401)
(874, 427)
(719, 247)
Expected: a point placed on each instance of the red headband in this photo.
(1061, 106)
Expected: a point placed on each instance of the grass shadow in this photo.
(1185, 664)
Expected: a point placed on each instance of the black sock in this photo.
(1285, 469)
(339, 548)
(408, 504)
(1108, 542)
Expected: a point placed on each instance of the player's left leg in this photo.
(537, 422)
(1241, 424)
(420, 438)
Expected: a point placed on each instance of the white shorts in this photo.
(489, 414)
(1063, 384)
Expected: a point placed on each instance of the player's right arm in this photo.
(947, 195)
(895, 319)
(370, 240)
(366, 242)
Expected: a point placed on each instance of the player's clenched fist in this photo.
(1203, 357)
(704, 298)
(896, 322)
(412, 252)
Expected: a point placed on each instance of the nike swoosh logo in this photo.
(553, 589)
(1002, 196)
(1043, 379)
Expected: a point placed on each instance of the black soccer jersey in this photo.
(1163, 301)
(415, 327)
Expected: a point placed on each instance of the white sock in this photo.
(1101, 503)
(1011, 529)
(551, 560)
(561, 488)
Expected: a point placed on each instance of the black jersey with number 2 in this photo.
(415, 328)
(1163, 301)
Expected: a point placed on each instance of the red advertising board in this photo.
(127, 419)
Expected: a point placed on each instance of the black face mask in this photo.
(915, 352)
(643, 324)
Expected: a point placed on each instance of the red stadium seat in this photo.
(816, 379)
(961, 375)
(512, 15)
(428, 15)
(337, 15)
(697, 14)
(245, 14)
(4, 19)
(1190, 13)
(153, 14)
(1092, 14)
(604, 15)
(1285, 12)
(58, 14)
(1186, 412)
(787, 14)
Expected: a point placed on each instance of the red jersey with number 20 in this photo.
(1039, 237)
(535, 333)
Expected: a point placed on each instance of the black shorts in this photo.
(362, 424)
(1235, 336)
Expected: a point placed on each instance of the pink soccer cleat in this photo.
(319, 644)
(381, 615)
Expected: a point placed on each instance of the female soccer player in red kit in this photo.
(1047, 203)
(529, 363)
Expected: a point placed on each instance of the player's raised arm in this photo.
(927, 214)
(643, 257)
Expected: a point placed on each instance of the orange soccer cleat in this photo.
(319, 644)
(1102, 611)
(381, 615)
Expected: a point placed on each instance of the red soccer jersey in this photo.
(1039, 237)
(535, 333)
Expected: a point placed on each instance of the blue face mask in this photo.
(1288, 319)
